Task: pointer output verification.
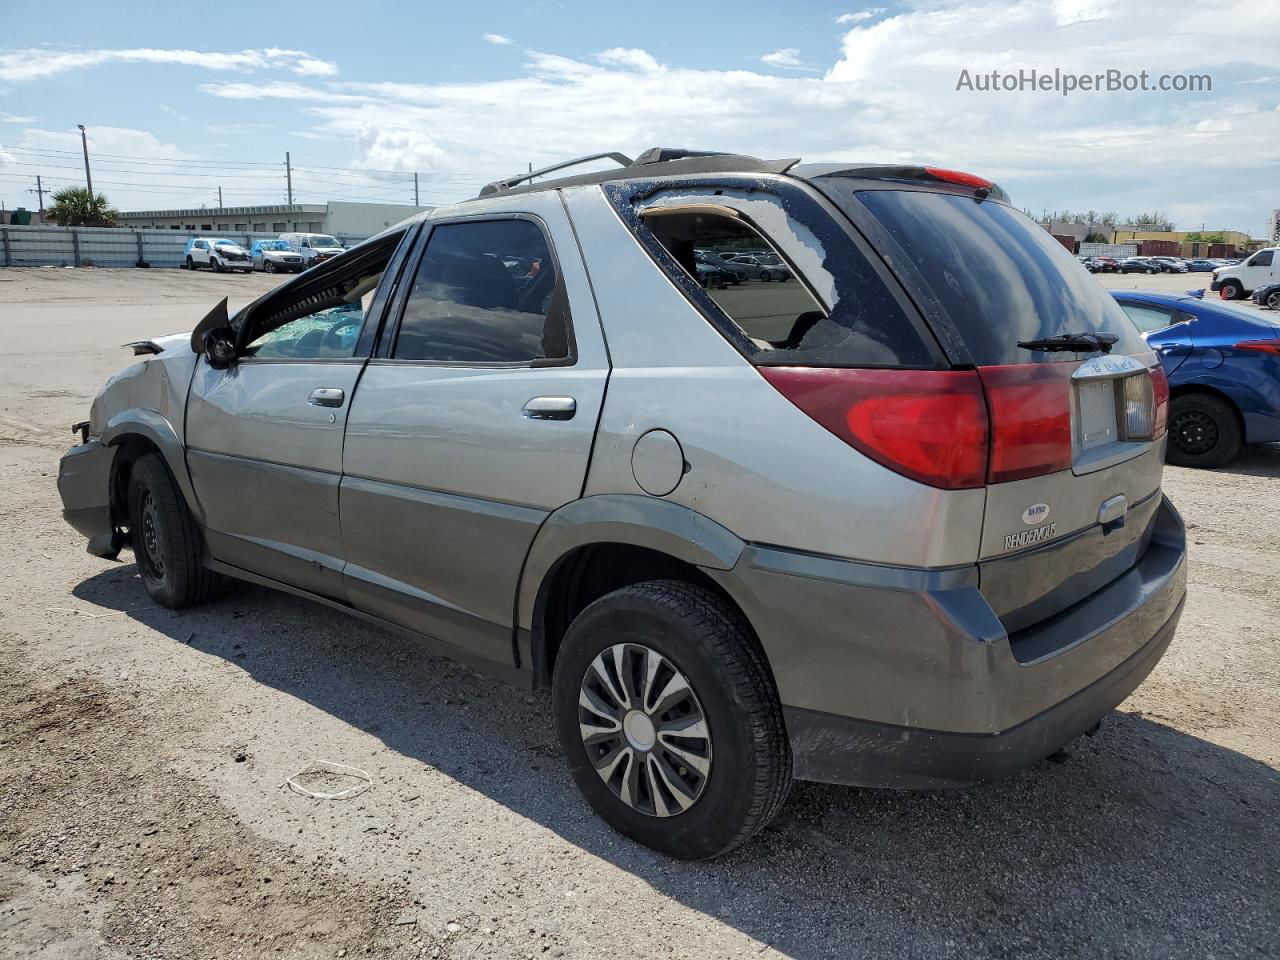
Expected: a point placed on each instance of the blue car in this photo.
(1223, 365)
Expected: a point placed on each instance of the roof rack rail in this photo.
(498, 186)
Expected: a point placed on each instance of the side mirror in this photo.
(220, 347)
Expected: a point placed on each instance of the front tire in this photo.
(166, 540)
(269, 266)
(1231, 290)
(670, 720)
(1273, 300)
(1203, 432)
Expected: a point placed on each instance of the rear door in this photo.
(474, 421)
(1076, 435)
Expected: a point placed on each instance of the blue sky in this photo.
(179, 100)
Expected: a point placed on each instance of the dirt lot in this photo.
(143, 811)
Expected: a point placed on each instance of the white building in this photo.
(339, 218)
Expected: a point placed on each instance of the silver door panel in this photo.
(266, 464)
(279, 521)
(259, 410)
(431, 560)
(463, 430)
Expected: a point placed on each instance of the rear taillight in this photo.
(1160, 385)
(928, 425)
(1264, 346)
(965, 428)
(1031, 419)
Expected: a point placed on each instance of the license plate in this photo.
(1097, 407)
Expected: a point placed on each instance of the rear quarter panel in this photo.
(756, 464)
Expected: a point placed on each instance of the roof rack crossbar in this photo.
(498, 186)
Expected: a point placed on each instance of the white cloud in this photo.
(889, 95)
(501, 40)
(859, 15)
(19, 66)
(14, 118)
(788, 58)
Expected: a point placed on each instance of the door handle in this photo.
(550, 408)
(327, 397)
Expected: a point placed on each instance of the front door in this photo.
(472, 424)
(264, 436)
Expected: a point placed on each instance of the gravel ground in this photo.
(143, 811)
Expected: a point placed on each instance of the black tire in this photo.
(269, 266)
(166, 540)
(1203, 432)
(216, 264)
(1231, 290)
(712, 645)
(191, 264)
(1273, 300)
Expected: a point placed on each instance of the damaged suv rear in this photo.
(898, 523)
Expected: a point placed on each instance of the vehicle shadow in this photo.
(1256, 460)
(1145, 842)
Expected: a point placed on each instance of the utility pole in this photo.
(288, 176)
(415, 189)
(219, 198)
(39, 192)
(88, 179)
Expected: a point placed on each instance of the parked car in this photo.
(275, 256)
(726, 272)
(712, 276)
(1201, 265)
(1268, 295)
(1139, 265)
(767, 267)
(1169, 264)
(809, 530)
(1103, 264)
(1238, 281)
(313, 247)
(217, 254)
(1223, 365)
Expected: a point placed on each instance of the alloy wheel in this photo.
(644, 730)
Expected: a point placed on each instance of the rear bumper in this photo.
(84, 483)
(907, 678)
(836, 749)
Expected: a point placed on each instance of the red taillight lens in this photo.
(1160, 384)
(1265, 346)
(1031, 419)
(928, 425)
(958, 176)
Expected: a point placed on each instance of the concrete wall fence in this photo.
(48, 246)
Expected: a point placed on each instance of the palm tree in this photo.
(73, 207)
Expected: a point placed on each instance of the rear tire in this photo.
(1231, 290)
(732, 780)
(166, 539)
(1203, 432)
(191, 264)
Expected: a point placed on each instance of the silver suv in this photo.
(896, 524)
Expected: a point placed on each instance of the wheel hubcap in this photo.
(644, 730)
(151, 544)
(1195, 432)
